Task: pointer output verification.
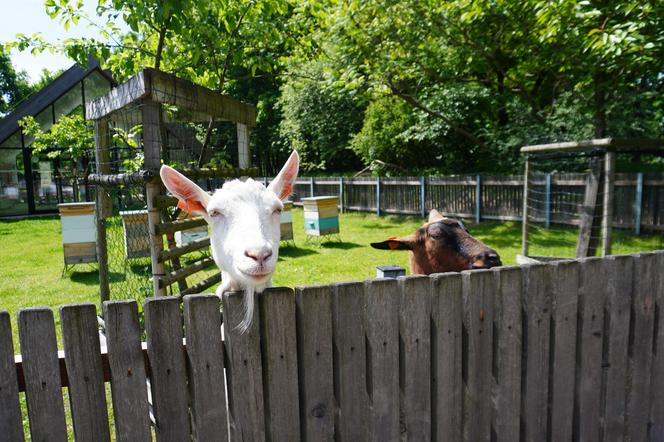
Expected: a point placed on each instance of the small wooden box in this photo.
(286, 220)
(136, 233)
(321, 215)
(79, 232)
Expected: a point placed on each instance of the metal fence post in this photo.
(341, 194)
(378, 196)
(638, 203)
(423, 201)
(478, 199)
(547, 201)
(311, 186)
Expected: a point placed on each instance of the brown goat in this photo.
(442, 245)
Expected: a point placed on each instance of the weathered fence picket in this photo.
(87, 394)
(127, 369)
(315, 363)
(41, 370)
(446, 356)
(11, 424)
(561, 351)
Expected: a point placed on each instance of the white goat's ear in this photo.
(282, 185)
(193, 199)
(435, 215)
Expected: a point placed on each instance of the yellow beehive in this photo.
(286, 220)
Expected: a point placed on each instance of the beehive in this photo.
(321, 215)
(136, 233)
(286, 220)
(79, 234)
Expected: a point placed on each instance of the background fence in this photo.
(638, 201)
(567, 351)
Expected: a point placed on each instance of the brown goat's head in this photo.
(442, 245)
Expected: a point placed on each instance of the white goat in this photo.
(245, 227)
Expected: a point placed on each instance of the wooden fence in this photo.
(638, 198)
(572, 350)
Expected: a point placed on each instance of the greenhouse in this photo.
(32, 183)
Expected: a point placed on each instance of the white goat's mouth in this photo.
(256, 274)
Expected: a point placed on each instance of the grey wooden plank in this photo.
(315, 362)
(537, 320)
(507, 313)
(382, 328)
(280, 367)
(415, 357)
(168, 378)
(478, 295)
(350, 362)
(244, 372)
(565, 305)
(41, 368)
(618, 274)
(639, 394)
(127, 367)
(87, 394)
(205, 361)
(11, 422)
(657, 413)
(446, 357)
(592, 298)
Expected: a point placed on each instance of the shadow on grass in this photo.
(295, 252)
(91, 277)
(340, 245)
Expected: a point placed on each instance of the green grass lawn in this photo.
(31, 260)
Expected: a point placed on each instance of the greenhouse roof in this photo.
(40, 100)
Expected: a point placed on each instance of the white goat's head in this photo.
(245, 226)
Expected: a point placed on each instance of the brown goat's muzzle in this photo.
(486, 260)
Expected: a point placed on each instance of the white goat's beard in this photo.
(228, 283)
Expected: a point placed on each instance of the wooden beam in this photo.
(184, 272)
(176, 226)
(166, 88)
(203, 285)
(601, 143)
(134, 89)
(177, 252)
(169, 89)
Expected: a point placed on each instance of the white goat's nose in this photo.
(259, 254)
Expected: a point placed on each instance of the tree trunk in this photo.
(599, 120)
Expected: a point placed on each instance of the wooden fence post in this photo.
(311, 186)
(423, 200)
(547, 201)
(341, 194)
(638, 203)
(478, 199)
(607, 206)
(524, 222)
(378, 196)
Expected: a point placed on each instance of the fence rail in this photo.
(572, 350)
(638, 198)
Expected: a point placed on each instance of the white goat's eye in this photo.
(214, 213)
(276, 212)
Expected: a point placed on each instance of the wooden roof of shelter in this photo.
(609, 144)
(161, 87)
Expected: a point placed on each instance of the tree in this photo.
(71, 140)
(14, 86)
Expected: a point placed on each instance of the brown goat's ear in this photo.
(435, 215)
(404, 243)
